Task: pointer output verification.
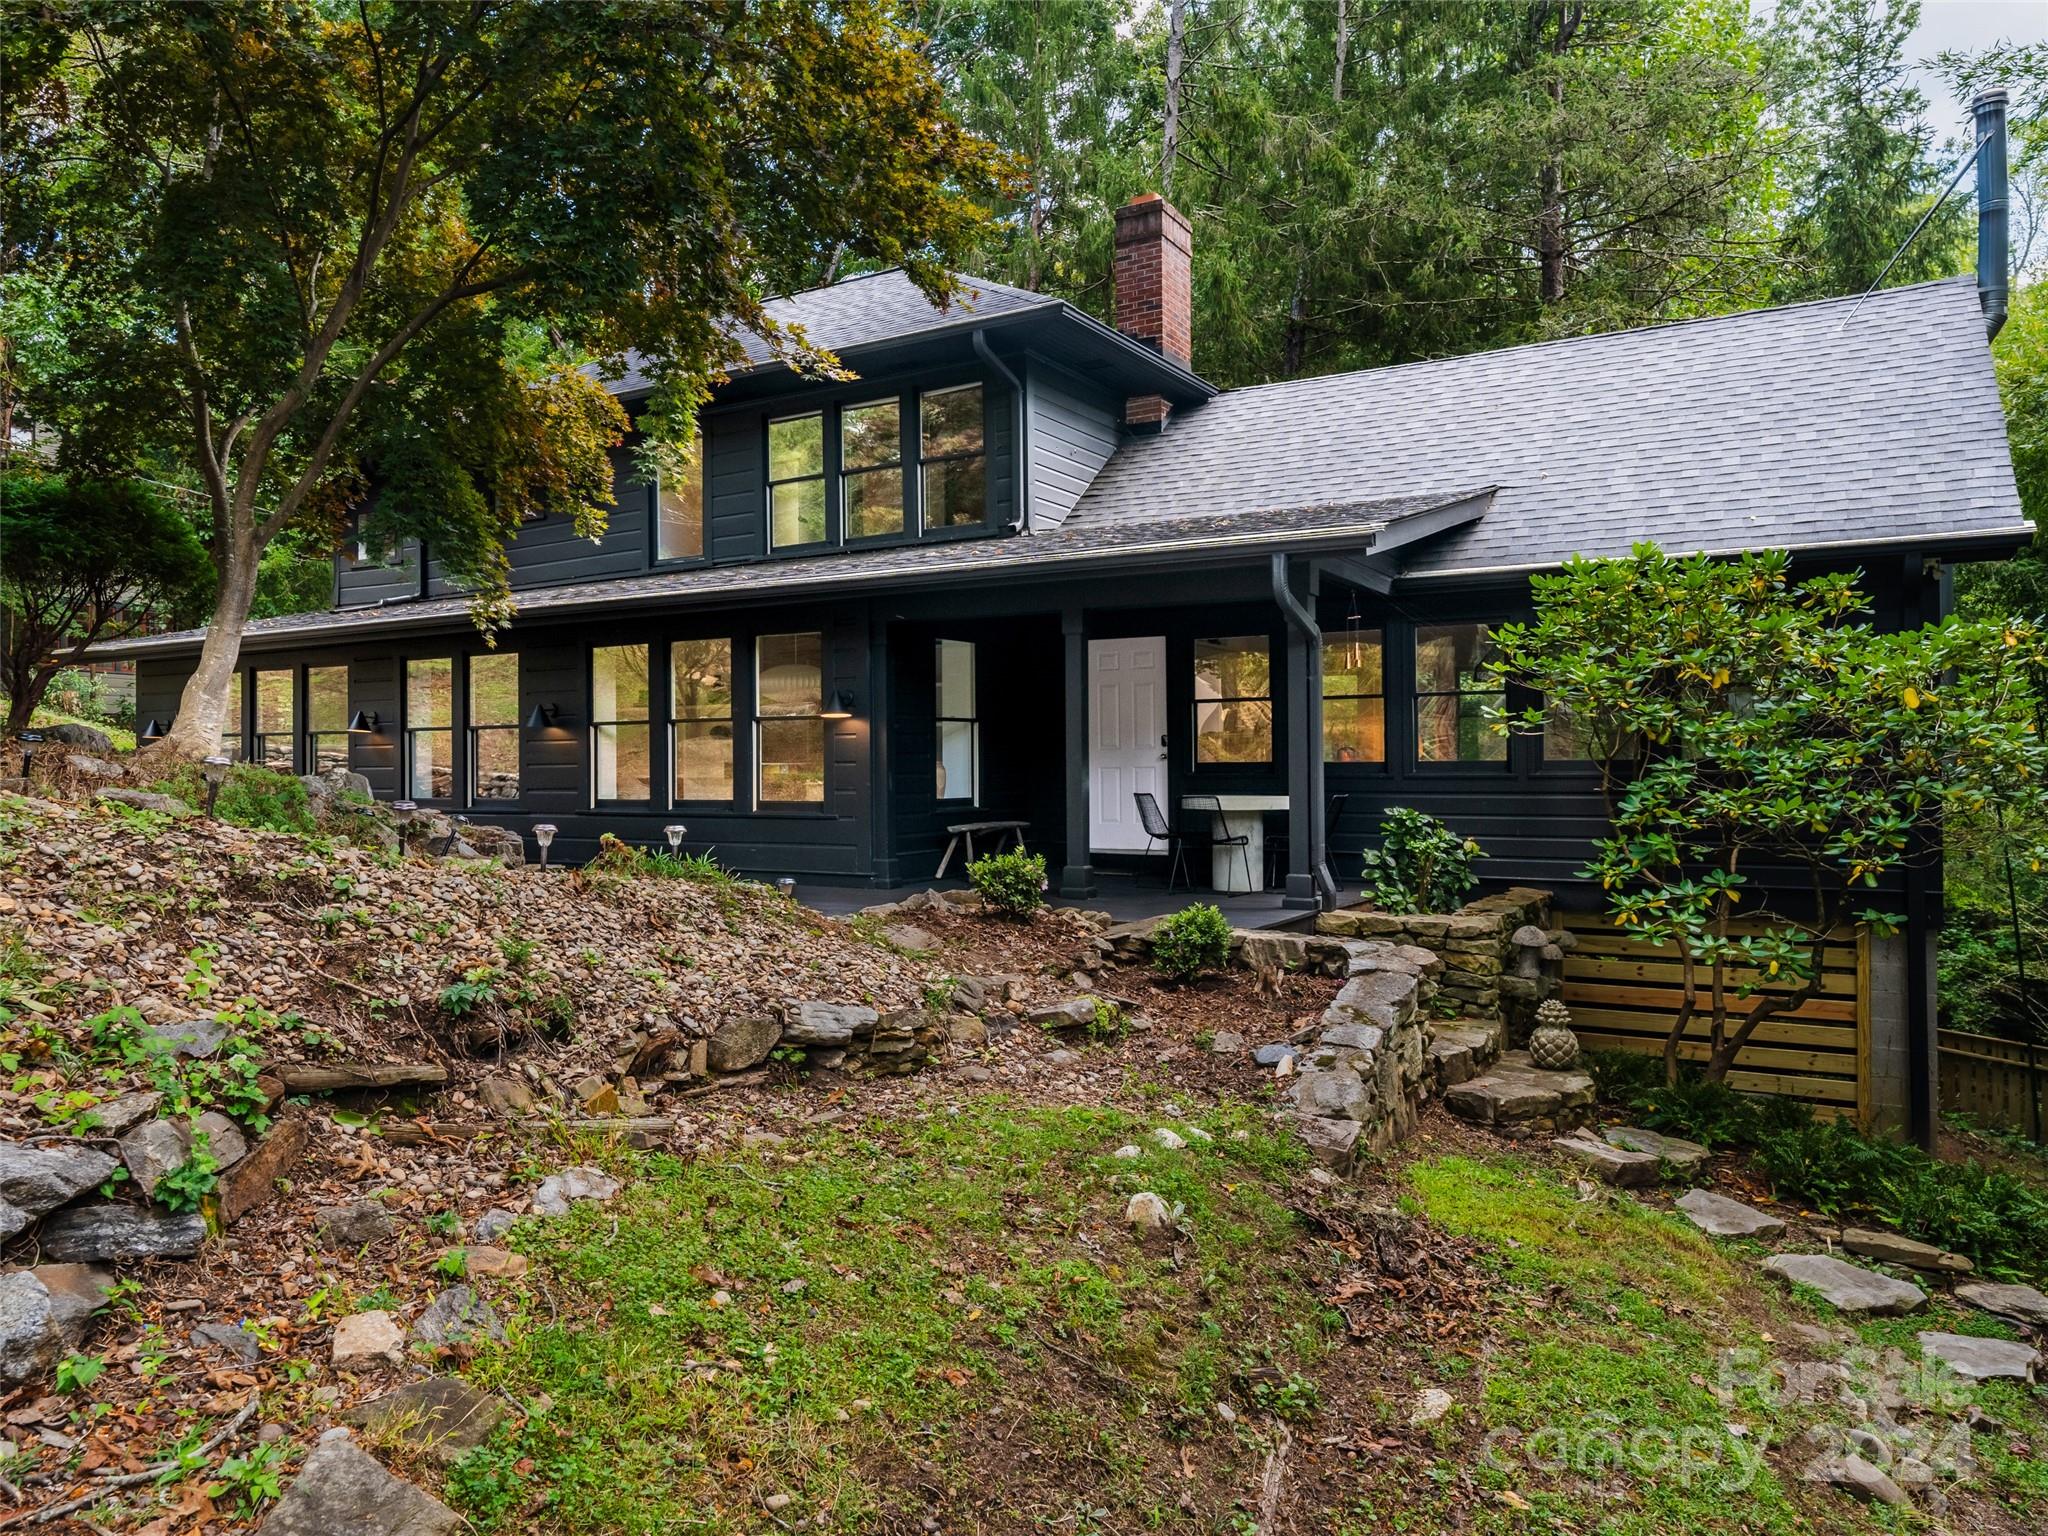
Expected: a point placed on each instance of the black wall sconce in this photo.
(363, 723)
(541, 716)
(838, 706)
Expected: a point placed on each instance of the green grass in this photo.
(1614, 1318)
(883, 1290)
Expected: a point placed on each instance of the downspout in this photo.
(1994, 257)
(1303, 623)
(1022, 522)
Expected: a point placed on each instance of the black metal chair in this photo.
(1159, 830)
(1276, 842)
(1222, 836)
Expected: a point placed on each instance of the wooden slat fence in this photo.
(1988, 1079)
(1623, 994)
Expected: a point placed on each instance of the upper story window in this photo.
(679, 512)
(796, 481)
(871, 468)
(951, 460)
(1234, 700)
(1453, 691)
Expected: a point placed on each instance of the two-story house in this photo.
(1026, 566)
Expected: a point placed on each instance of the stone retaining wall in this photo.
(1502, 955)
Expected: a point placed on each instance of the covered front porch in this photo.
(1126, 898)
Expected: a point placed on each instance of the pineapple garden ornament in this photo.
(1552, 1045)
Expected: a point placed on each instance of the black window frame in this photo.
(756, 799)
(926, 527)
(827, 439)
(1333, 639)
(677, 719)
(1197, 703)
(408, 731)
(645, 722)
(940, 720)
(846, 473)
(257, 752)
(1505, 762)
(701, 469)
(472, 732)
(313, 733)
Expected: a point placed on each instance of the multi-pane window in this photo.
(429, 733)
(231, 721)
(620, 734)
(950, 457)
(700, 723)
(326, 718)
(796, 481)
(679, 512)
(789, 729)
(1454, 689)
(1354, 697)
(959, 726)
(493, 703)
(1234, 700)
(275, 726)
(871, 468)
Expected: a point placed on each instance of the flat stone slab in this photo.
(341, 1488)
(1613, 1165)
(1890, 1248)
(1673, 1151)
(1848, 1287)
(1516, 1089)
(1718, 1216)
(444, 1415)
(2021, 1303)
(1981, 1359)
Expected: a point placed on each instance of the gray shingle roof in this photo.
(860, 311)
(1775, 428)
(1348, 526)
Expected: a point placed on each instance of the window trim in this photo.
(656, 560)
(758, 802)
(597, 801)
(1505, 763)
(407, 731)
(1197, 703)
(924, 461)
(471, 730)
(827, 438)
(972, 799)
(676, 719)
(913, 523)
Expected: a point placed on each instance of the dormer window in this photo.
(796, 481)
(951, 459)
(871, 458)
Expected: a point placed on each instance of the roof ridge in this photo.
(1595, 337)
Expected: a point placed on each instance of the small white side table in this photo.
(1241, 814)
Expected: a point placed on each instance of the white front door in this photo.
(1126, 739)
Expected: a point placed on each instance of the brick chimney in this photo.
(1154, 291)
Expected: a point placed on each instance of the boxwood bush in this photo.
(1193, 940)
(1011, 883)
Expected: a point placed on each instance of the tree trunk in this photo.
(1176, 64)
(1343, 50)
(202, 708)
(1295, 344)
(1686, 1009)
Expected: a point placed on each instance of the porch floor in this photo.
(1124, 897)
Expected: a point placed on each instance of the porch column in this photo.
(1308, 878)
(1077, 876)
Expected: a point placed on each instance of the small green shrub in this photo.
(186, 1186)
(1696, 1108)
(250, 796)
(1421, 865)
(1191, 941)
(1012, 883)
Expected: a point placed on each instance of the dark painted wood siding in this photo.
(1073, 429)
(361, 586)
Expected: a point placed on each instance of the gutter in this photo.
(1303, 623)
(1021, 523)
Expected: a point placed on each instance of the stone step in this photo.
(1518, 1097)
(1460, 1049)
